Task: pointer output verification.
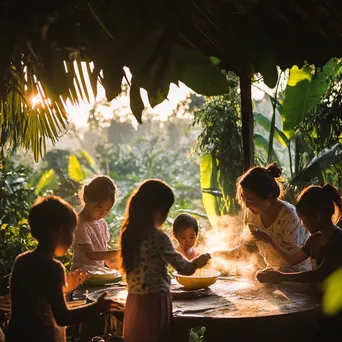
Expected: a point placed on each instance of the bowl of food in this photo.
(101, 275)
(202, 278)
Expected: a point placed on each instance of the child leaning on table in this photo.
(38, 307)
(319, 209)
(146, 252)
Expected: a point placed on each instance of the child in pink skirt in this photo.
(145, 254)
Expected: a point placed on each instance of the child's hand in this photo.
(202, 260)
(74, 279)
(108, 305)
(269, 276)
(112, 263)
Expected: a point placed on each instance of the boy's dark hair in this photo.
(325, 200)
(184, 221)
(99, 189)
(261, 181)
(48, 214)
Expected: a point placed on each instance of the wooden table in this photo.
(240, 309)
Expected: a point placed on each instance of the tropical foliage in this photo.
(16, 198)
(167, 155)
(310, 142)
(221, 150)
(161, 42)
(63, 171)
(41, 67)
(332, 298)
(220, 144)
(309, 151)
(305, 88)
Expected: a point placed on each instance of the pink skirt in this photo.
(148, 318)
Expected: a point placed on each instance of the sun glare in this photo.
(39, 100)
(35, 100)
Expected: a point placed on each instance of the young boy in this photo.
(38, 282)
(185, 231)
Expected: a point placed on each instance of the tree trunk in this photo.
(247, 121)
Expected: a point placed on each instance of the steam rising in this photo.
(227, 232)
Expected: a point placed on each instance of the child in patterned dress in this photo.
(145, 253)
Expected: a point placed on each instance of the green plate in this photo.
(95, 282)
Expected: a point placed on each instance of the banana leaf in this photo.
(47, 178)
(75, 169)
(208, 171)
(304, 89)
(317, 165)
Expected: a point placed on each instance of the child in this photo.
(145, 254)
(90, 246)
(185, 231)
(38, 307)
(319, 209)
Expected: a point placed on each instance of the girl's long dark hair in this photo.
(149, 197)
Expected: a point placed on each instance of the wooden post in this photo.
(247, 121)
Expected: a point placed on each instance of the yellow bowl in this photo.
(202, 278)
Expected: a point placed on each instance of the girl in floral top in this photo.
(259, 192)
(146, 252)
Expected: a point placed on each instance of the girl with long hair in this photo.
(145, 254)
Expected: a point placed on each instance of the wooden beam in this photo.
(247, 121)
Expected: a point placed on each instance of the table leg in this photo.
(180, 331)
(180, 335)
(211, 335)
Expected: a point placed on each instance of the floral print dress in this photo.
(287, 231)
(148, 310)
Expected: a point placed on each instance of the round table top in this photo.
(234, 297)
